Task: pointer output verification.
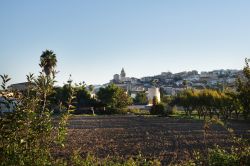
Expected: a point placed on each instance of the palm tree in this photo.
(48, 61)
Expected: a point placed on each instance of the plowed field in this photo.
(167, 139)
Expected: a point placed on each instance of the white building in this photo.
(153, 92)
(121, 78)
(193, 78)
(116, 78)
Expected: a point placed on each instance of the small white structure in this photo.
(154, 92)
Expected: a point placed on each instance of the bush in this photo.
(219, 156)
(233, 157)
(158, 109)
(171, 110)
(236, 155)
(28, 132)
(120, 111)
(139, 160)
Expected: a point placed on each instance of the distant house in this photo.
(169, 90)
(19, 86)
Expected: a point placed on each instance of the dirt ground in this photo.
(166, 139)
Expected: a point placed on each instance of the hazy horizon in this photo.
(93, 40)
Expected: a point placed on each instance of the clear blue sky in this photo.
(94, 39)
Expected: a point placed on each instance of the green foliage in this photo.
(166, 99)
(27, 133)
(82, 97)
(185, 99)
(5, 79)
(233, 157)
(171, 110)
(138, 111)
(69, 96)
(141, 98)
(114, 98)
(90, 88)
(62, 97)
(158, 109)
(208, 103)
(91, 160)
(243, 89)
(48, 61)
(218, 156)
(236, 155)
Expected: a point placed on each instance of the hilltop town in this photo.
(172, 83)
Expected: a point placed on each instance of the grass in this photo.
(138, 112)
(182, 115)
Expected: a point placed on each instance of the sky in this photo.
(94, 39)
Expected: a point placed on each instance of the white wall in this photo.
(154, 92)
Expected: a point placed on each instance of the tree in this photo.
(141, 98)
(166, 99)
(90, 88)
(83, 97)
(158, 109)
(185, 100)
(114, 97)
(243, 89)
(28, 131)
(236, 105)
(48, 61)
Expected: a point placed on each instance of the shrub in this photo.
(138, 111)
(171, 110)
(236, 155)
(158, 109)
(28, 132)
(91, 160)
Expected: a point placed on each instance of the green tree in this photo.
(5, 78)
(83, 97)
(141, 98)
(114, 97)
(90, 88)
(28, 132)
(158, 109)
(185, 99)
(62, 97)
(243, 89)
(48, 61)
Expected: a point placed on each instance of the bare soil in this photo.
(166, 139)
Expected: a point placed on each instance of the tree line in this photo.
(224, 104)
(109, 99)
